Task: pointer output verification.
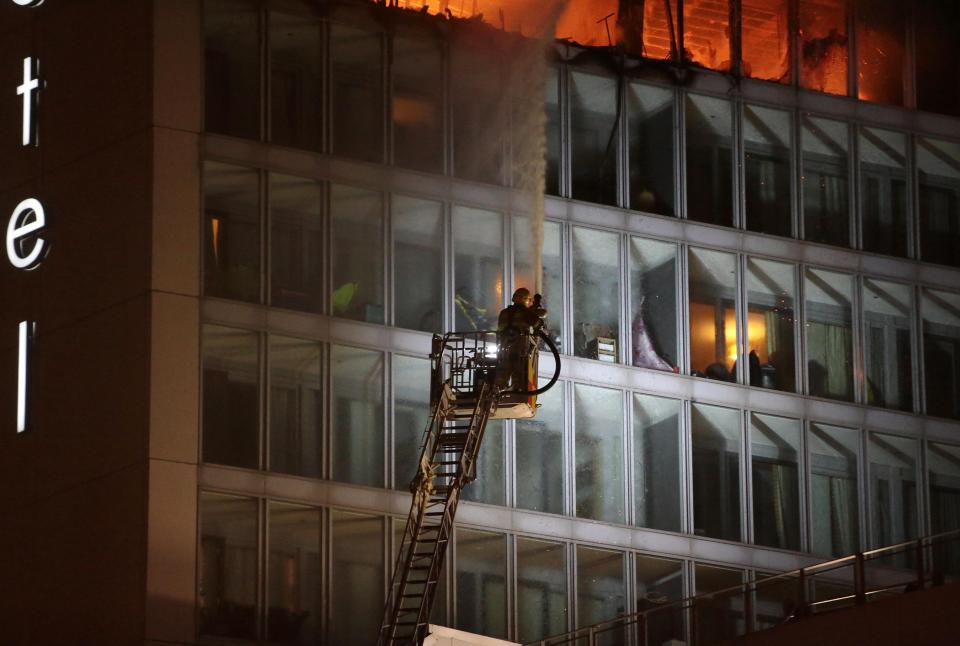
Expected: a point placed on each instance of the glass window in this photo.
(490, 485)
(660, 582)
(881, 48)
(357, 249)
(938, 165)
(771, 324)
(659, 30)
(706, 34)
(553, 138)
(417, 110)
(540, 464)
(713, 311)
(596, 294)
(823, 45)
(893, 489)
(651, 126)
(883, 191)
(656, 462)
(709, 160)
(356, 438)
(721, 617)
(941, 353)
(228, 566)
(601, 589)
(716, 472)
(231, 263)
(296, 243)
(418, 263)
(477, 106)
(357, 570)
(296, 407)
(826, 213)
(482, 582)
(551, 267)
(835, 514)
(937, 56)
(411, 414)
(478, 268)
(767, 173)
(232, 67)
(775, 463)
(829, 317)
(231, 412)
(599, 453)
(293, 573)
(356, 64)
(593, 137)
(541, 589)
(765, 38)
(653, 304)
(943, 463)
(887, 313)
(296, 82)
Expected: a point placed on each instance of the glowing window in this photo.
(765, 39)
(823, 45)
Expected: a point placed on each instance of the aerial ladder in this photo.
(467, 375)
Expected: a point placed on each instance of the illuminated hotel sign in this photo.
(25, 248)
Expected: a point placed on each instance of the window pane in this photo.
(651, 149)
(823, 45)
(766, 150)
(551, 262)
(417, 67)
(716, 472)
(941, 353)
(228, 566)
(775, 457)
(541, 589)
(881, 32)
(411, 414)
(482, 583)
(296, 243)
(477, 106)
(943, 462)
(593, 138)
(357, 217)
(231, 412)
(883, 191)
(826, 213)
(357, 570)
(829, 334)
(771, 321)
(722, 617)
(553, 142)
(659, 582)
(540, 465)
(713, 323)
(478, 268)
(490, 485)
(938, 164)
(596, 294)
(653, 302)
(599, 453)
(294, 584)
(937, 56)
(656, 462)
(418, 263)
(601, 592)
(887, 312)
(296, 83)
(834, 498)
(296, 407)
(893, 489)
(706, 34)
(766, 41)
(709, 160)
(356, 64)
(232, 67)
(659, 30)
(231, 264)
(357, 434)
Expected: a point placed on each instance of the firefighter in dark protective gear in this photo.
(516, 329)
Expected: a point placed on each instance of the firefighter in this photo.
(516, 326)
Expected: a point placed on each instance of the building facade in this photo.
(260, 211)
